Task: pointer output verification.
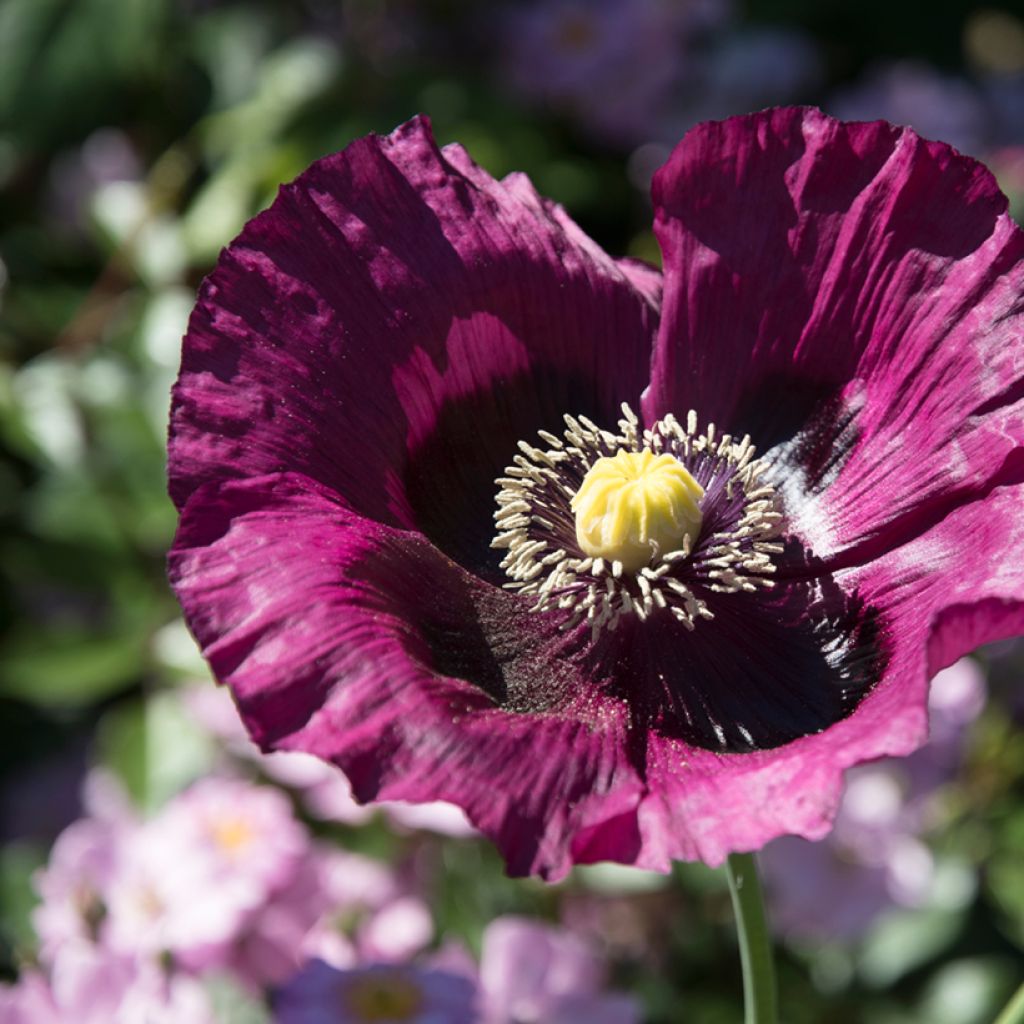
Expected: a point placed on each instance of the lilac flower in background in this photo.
(774, 64)
(874, 859)
(739, 70)
(937, 105)
(1004, 95)
(376, 356)
(580, 57)
(384, 993)
(532, 973)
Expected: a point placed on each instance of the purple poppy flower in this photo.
(376, 355)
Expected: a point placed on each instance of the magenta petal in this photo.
(364, 645)
(954, 588)
(935, 604)
(393, 325)
(855, 291)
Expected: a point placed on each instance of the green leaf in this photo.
(971, 990)
(70, 669)
(903, 941)
(61, 59)
(155, 748)
(232, 1004)
(18, 862)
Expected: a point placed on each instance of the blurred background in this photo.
(136, 138)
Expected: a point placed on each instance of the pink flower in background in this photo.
(74, 885)
(370, 914)
(532, 973)
(272, 941)
(400, 928)
(91, 985)
(246, 836)
(222, 879)
(376, 356)
(381, 994)
(191, 875)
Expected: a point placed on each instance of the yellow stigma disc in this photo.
(633, 505)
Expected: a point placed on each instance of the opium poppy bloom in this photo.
(788, 490)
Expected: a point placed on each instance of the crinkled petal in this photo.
(392, 326)
(366, 356)
(366, 646)
(853, 295)
(934, 605)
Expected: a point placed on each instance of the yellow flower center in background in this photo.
(232, 835)
(384, 997)
(634, 505)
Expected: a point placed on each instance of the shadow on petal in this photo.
(770, 667)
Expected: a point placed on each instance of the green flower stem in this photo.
(755, 943)
(1013, 1013)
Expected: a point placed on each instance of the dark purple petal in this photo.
(366, 646)
(769, 668)
(390, 328)
(854, 294)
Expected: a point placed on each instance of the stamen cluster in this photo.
(733, 551)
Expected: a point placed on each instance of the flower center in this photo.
(232, 835)
(633, 506)
(384, 996)
(576, 32)
(637, 523)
